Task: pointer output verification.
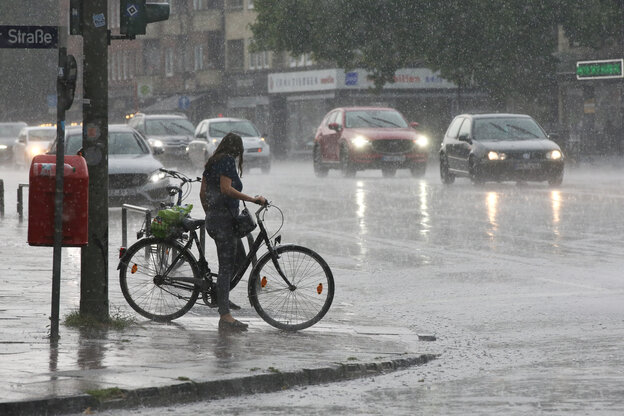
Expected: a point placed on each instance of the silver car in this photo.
(209, 133)
(32, 141)
(8, 133)
(134, 174)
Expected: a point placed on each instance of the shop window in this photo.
(250, 4)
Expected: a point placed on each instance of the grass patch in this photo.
(255, 369)
(103, 395)
(273, 370)
(352, 359)
(182, 378)
(117, 320)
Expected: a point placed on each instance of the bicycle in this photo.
(291, 287)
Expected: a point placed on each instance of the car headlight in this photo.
(35, 150)
(155, 143)
(3, 147)
(359, 142)
(492, 155)
(422, 141)
(157, 176)
(554, 155)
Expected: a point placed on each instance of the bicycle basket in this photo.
(168, 222)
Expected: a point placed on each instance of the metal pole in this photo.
(58, 194)
(1, 197)
(94, 256)
(20, 201)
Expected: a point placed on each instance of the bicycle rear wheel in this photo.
(147, 275)
(295, 308)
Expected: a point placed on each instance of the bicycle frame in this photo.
(262, 238)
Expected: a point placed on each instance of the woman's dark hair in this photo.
(231, 144)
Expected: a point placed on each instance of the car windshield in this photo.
(164, 126)
(119, 143)
(512, 128)
(374, 118)
(10, 130)
(242, 128)
(42, 135)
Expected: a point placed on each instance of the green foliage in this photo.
(504, 47)
(118, 320)
(103, 395)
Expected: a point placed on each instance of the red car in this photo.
(358, 138)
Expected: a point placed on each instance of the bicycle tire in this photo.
(146, 290)
(287, 309)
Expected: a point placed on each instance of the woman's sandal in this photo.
(236, 326)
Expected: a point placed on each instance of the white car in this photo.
(209, 133)
(32, 141)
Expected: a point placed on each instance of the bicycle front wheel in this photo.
(292, 307)
(150, 275)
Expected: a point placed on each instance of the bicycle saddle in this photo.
(190, 224)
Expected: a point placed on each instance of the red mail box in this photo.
(41, 189)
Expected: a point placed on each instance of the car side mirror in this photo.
(553, 136)
(201, 136)
(158, 150)
(414, 125)
(464, 138)
(334, 126)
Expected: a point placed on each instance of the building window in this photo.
(169, 62)
(250, 4)
(234, 4)
(301, 61)
(125, 66)
(199, 58)
(235, 54)
(258, 60)
(198, 4)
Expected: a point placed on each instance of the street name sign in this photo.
(29, 37)
(603, 69)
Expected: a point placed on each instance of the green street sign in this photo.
(604, 69)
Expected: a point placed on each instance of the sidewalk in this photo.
(153, 364)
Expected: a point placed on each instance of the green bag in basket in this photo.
(168, 222)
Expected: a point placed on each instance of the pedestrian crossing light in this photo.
(136, 14)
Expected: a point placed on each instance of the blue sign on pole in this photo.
(184, 103)
(29, 37)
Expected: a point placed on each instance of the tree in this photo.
(504, 47)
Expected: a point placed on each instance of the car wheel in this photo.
(348, 170)
(475, 176)
(388, 172)
(418, 170)
(319, 169)
(446, 176)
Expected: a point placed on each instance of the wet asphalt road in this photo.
(521, 284)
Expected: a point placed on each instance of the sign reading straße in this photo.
(610, 68)
(29, 37)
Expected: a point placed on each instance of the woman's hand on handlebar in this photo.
(260, 200)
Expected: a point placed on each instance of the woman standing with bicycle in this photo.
(221, 191)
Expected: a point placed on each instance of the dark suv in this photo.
(170, 132)
(357, 138)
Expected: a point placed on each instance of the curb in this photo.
(210, 390)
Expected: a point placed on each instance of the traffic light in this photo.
(136, 14)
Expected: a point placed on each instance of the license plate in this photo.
(393, 158)
(528, 165)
